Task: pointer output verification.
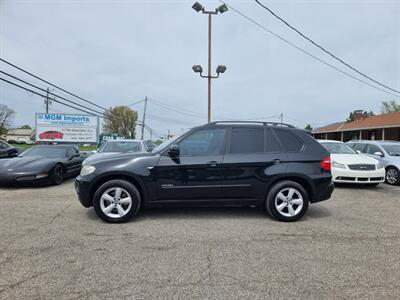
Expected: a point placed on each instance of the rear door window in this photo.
(290, 142)
(271, 143)
(247, 140)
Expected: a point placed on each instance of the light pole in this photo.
(197, 68)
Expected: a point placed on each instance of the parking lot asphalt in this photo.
(346, 247)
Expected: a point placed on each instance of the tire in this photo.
(392, 176)
(113, 208)
(278, 196)
(58, 175)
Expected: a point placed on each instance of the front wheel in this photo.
(116, 201)
(58, 174)
(287, 201)
(392, 176)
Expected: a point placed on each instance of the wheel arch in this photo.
(300, 179)
(121, 176)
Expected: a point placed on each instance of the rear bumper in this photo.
(323, 188)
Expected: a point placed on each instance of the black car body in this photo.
(222, 163)
(44, 164)
(7, 151)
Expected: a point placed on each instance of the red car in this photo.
(51, 135)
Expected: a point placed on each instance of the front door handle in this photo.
(277, 161)
(214, 163)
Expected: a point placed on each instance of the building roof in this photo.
(19, 131)
(372, 122)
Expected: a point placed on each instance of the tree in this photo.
(25, 127)
(121, 120)
(6, 115)
(308, 128)
(365, 114)
(390, 107)
(158, 142)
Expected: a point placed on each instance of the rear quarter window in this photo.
(290, 142)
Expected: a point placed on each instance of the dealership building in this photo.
(379, 127)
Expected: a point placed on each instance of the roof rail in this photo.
(252, 122)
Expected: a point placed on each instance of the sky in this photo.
(119, 52)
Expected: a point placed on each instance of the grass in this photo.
(27, 146)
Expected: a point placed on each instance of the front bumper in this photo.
(83, 187)
(25, 178)
(358, 177)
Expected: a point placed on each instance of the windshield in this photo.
(164, 145)
(392, 149)
(338, 148)
(50, 152)
(121, 147)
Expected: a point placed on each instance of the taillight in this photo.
(326, 163)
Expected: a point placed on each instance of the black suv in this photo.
(270, 165)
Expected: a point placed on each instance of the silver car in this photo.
(113, 147)
(388, 152)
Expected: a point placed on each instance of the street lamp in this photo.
(197, 68)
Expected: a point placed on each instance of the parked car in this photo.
(7, 151)
(112, 147)
(273, 166)
(47, 164)
(51, 135)
(388, 152)
(348, 166)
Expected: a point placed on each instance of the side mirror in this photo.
(173, 151)
(378, 153)
(75, 155)
(358, 151)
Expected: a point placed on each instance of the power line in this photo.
(323, 49)
(53, 85)
(177, 110)
(135, 103)
(50, 93)
(306, 52)
(41, 95)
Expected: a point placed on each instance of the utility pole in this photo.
(197, 68)
(144, 116)
(47, 101)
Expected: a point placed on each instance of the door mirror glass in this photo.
(174, 151)
(378, 153)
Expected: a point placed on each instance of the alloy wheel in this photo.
(392, 176)
(289, 202)
(115, 202)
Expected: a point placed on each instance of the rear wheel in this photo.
(287, 201)
(58, 174)
(392, 176)
(116, 201)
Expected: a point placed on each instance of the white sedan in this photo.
(348, 166)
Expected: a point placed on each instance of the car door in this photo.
(195, 174)
(252, 157)
(371, 149)
(74, 161)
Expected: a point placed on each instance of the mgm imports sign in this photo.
(66, 128)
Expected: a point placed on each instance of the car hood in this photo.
(112, 156)
(24, 164)
(353, 159)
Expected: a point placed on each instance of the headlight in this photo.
(335, 164)
(379, 165)
(87, 170)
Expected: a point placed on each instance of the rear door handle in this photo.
(214, 163)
